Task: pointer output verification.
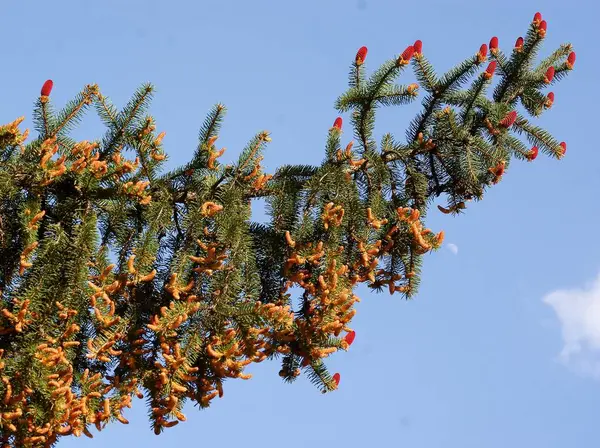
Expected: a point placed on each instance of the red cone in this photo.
(563, 145)
(336, 378)
(549, 75)
(549, 100)
(418, 46)
(338, 123)
(571, 60)
(537, 18)
(482, 54)
(542, 28)
(47, 88)
(533, 153)
(361, 55)
(407, 54)
(349, 338)
(494, 44)
(519, 43)
(491, 68)
(509, 120)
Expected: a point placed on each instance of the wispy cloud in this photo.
(452, 248)
(578, 311)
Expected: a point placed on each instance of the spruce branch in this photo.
(118, 281)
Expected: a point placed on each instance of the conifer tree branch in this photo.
(119, 282)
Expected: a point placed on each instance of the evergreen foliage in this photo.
(118, 280)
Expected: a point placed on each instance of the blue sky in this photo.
(502, 345)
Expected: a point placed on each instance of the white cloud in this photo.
(578, 311)
(452, 248)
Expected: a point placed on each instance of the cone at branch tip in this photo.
(493, 44)
(482, 53)
(349, 338)
(336, 379)
(491, 68)
(571, 60)
(47, 88)
(563, 145)
(361, 55)
(337, 124)
(549, 75)
(533, 153)
(519, 44)
(542, 28)
(418, 46)
(406, 55)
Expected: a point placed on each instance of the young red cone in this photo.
(549, 100)
(482, 54)
(563, 145)
(418, 46)
(549, 75)
(47, 88)
(494, 45)
(537, 18)
(519, 44)
(349, 338)
(489, 71)
(338, 123)
(533, 153)
(406, 55)
(542, 28)
(361, 55)
(336, 378)
(509, 120)
(571, 60)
